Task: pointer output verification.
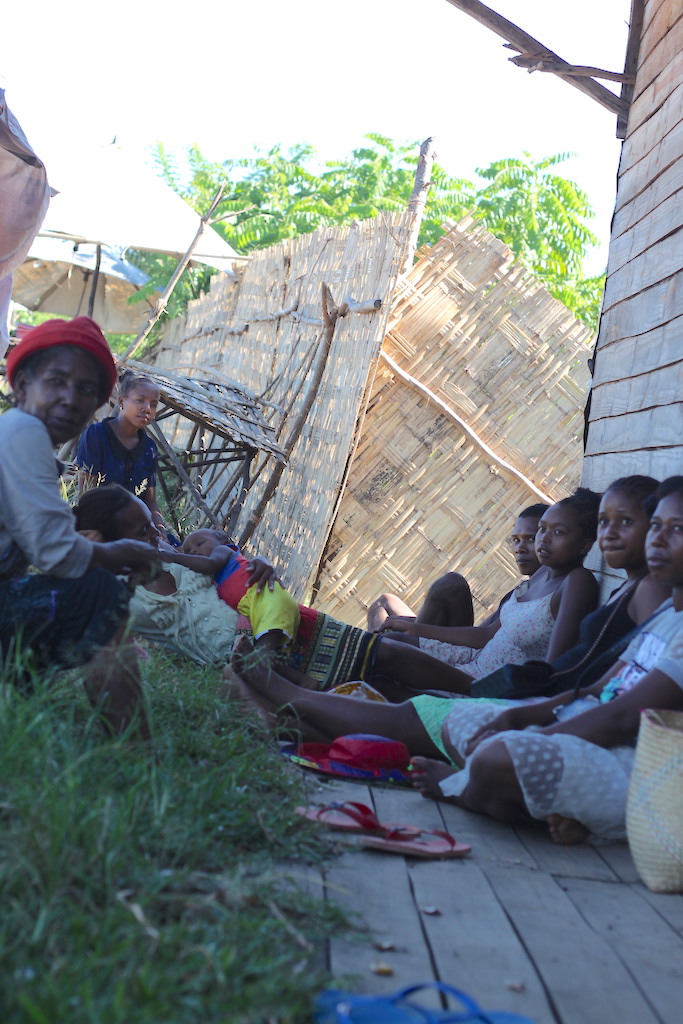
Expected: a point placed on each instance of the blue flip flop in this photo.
(334, 1006)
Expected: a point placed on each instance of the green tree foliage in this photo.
(279, 194)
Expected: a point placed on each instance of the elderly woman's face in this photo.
(63, 393)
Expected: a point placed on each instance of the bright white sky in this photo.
(231, 75)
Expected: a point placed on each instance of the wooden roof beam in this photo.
(520, 40)
(541, 62)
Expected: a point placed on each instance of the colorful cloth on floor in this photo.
(332, 652)
(358, 690)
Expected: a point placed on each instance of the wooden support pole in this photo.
(162, 302)
(330, 313)
(539, 62)
(277, 315)
(350, 305)
(95, 281)
(467, 430)
(418, 199)
(525, 43)
(180, 470)
(237, 506)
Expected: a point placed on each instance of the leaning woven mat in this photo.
(654, 814)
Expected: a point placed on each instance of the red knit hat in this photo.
(82, 332)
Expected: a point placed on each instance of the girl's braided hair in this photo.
(585, 504)
(643, 488)
(129, 379)
(99, 509)
(672, 485)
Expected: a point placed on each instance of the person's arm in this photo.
(121, 556)
(616, 723)
(577, 596)
(208, 565)
(464, 636)
(33, 513)
(541, 713)
(150, 499)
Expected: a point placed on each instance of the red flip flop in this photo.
(406, 839)
(428, 843)
(353, 817)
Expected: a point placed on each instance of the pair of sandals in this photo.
(335, 1006)
(359, 819)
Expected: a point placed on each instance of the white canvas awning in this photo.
(107, 196)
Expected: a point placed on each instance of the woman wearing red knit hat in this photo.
(75, 609)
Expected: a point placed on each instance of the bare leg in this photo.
(269, 643)
(295, 675)
(328, 714)
(383, 607)
(493, 788)
(414, 668)
(112, 683)
(448, 602)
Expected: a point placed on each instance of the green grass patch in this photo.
(144, 885)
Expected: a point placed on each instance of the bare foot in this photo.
(566, 831)
(236, 689)
(242, 654)
(254, 668)
(233, 688)
(428, 774)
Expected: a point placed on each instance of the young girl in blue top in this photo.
(118, 450)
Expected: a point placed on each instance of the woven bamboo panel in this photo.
(422, 498)
(264, 331)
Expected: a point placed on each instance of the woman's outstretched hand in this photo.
(262, 573)
(398, 624)
(121, 556)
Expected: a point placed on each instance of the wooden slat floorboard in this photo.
(587, 982)
(649, 948)
(562, 935)
(572, 861)
(474, 944)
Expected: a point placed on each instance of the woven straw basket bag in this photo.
(654, 813)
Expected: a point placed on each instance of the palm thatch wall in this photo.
(474, 413)
(267, 332)
(429, 431)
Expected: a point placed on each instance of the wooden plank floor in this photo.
(563, 935)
